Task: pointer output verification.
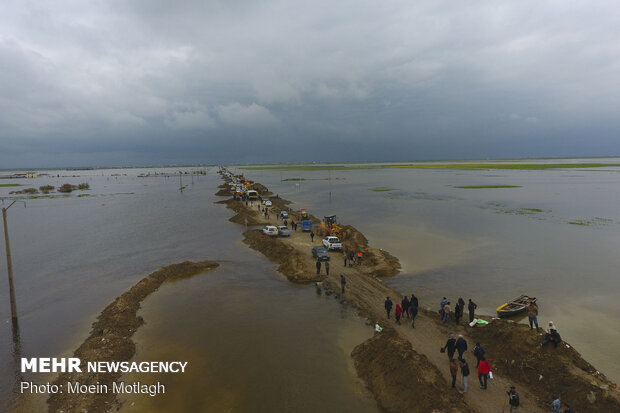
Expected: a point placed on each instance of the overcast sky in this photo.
(125, 82)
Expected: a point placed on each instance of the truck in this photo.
(332, 243)
(306, 225)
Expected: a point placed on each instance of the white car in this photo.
(267, 203)
(270, 230)
(332, 243)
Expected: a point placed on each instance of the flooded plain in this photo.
(554, 235)
(256, 342)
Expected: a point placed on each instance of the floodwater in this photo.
(254, 341)
(555, 237)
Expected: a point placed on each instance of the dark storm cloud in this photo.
(193, 81)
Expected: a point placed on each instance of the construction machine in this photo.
(330, 226)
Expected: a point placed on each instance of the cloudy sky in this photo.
(146, 82)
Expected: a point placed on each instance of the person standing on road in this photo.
(405, 304)
(318, 267)
(454, 368)
(532, 315)
(312, 235)
(458, 310)
(513, 399)
(461, 346)
(471, 307)
(343, 282)
(413, 310)
(556, 405)
(345, 259)
(484, 368)
(450, 346)
(388, 306)
(446, 313)
(442, 304)
(479, 353)
(465, 373)
(398, 313)
(359, 258)
(326, 267)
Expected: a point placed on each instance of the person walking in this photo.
(458, 311)
(343, 282)
(318, 267)
(413, 300)
(312, 235)
(350, 263)
(484, 368)
(465, 373)
(479, 353)
(461, 346)
(513, 399)
(454, 368)
(405, 304)
(398, 313)
(532, 315)
(450, 346)
(327, 268)
(359, 258)
(345, 259)
(556, 405)
(471, 307)
(413, 310)
(388, 306)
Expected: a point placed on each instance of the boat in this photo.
(515, 306)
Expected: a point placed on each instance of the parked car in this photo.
(332, 243)
(283, 214)
(270, 230)
(267, 202)
(320, 253)
(283, 231)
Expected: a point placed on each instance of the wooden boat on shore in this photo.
(515, 306)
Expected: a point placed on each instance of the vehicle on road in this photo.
(252, 194)
(320, 253)
(332, 243)
(270, 230)
(306, 225)
(283, 214)
(267, 202)
(283, 231)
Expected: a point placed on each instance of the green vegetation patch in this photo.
(8, 185)
(524, 166)
(487, 186)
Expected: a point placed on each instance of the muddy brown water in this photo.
(253, 340)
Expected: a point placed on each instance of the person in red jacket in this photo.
(483, 372)
(398, 313)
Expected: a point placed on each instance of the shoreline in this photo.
(537, 372)
(110, 340)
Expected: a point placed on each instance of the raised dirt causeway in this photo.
(110, 340)
(402, 366)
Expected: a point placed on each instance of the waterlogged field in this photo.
(488, 231)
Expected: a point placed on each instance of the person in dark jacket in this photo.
(465, 373)
(413, 300)
(312, 235)
(461, 346)
(513, 399)
(343, 282)
(479, 353)
(318, 267)
(450, 346)
(326, 267)
(405, 305)
(471, 307)
(388, 306)
(459, 310)
(413, 310)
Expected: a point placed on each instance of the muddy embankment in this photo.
(402, 378)
(110, 340)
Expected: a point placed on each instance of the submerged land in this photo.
(401, 365)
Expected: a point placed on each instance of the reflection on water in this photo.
(555, 237)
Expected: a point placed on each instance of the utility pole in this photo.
(9, 264)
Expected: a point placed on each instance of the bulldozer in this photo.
(330, 226)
